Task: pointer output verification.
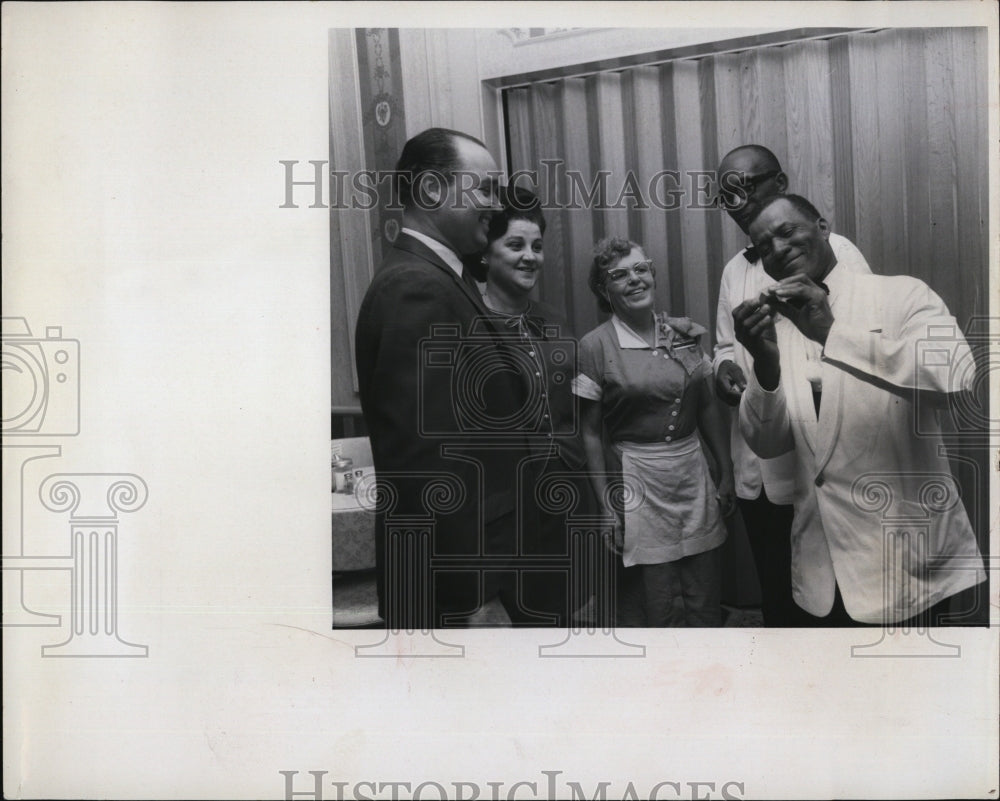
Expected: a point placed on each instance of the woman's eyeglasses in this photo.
(618, 274)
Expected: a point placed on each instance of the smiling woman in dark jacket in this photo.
(553, 486)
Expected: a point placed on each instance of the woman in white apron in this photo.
(646, 396)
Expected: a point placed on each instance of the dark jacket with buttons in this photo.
(438, 393)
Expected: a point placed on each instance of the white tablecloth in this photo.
(353, 531)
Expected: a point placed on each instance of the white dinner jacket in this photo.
(876, 509)
(745, 280)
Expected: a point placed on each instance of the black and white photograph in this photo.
(516, 460)
(500, 400)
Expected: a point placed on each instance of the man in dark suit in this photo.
(440, 396)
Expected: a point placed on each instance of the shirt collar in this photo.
(834, 279)
(627, 338)
(448, 256)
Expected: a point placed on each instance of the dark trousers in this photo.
(527, 566)
(769, 529)
(419, 589)
(526, 596)
(686, 592)
(529, 596)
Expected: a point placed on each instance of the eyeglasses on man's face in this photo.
(617, 275)
(734, 194)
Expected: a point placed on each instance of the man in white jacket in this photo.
(749, 175)
(845, 369)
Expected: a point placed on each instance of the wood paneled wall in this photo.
(885, 131)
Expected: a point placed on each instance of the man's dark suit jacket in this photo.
(417, 391)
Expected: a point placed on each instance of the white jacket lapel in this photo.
(831, 412)
(798, 391)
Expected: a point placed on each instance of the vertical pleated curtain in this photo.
(885, 132)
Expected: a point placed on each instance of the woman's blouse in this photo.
(647, 394)
(548, 361)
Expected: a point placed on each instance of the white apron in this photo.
(677, 513)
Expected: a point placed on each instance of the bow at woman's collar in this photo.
(680, 337)
(531, 323)
(680, 325)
